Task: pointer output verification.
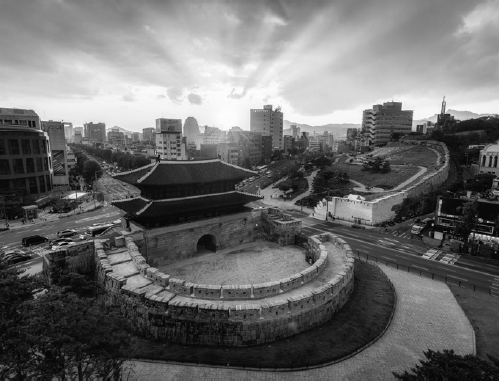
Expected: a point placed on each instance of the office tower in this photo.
(116, 137)
(25, 160)
(191, 131)
(228, 152)
(169, 145)
(68, 132)
(81, 130)
(382, 121)
(250, 146)
(295, 131)
(95, 132)
(268, 122)
(148, 134)
(211, 135)
(135, 137)
(57, 138)
(288, 143)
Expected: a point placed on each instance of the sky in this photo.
(129, 62)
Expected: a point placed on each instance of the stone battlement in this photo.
(169, 308)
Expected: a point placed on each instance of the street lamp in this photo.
(327, 203)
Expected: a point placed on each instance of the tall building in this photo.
(169, 144)
(57, 138)
(78, 139)
(380, 122)
(268, 122)
(95, 132)
(295, 131)
(135, 137)
(68, 132)
(228, 152)
(289, 142)
(116, 137)
(250, 146)
(445, 122)
(211, 135)
(148, 134)
(191, 131)
(25, 160)
(266, 148)
(352, 133)
(81, 130)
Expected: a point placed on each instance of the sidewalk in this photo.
(427, 316)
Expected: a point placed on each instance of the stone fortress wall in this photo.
(166, 308)
(384, 208)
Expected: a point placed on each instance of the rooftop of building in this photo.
(16, 112)
(184, 172)
(143, 207)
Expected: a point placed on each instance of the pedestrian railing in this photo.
(449, 279)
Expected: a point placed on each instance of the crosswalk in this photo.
(494, 290)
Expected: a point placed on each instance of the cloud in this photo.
(175, 95)
(233, 94)
(195, 99)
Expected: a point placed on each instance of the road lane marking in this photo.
(419, 267)
(456, 277)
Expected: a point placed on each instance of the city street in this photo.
(409, 252)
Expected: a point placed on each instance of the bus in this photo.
(93, 231)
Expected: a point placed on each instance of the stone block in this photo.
(119, 241)
(207, 291)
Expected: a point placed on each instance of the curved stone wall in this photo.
(383, 208)
(175, 310)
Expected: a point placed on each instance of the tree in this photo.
(64, 333)
(468, 220)
(480, 183)
(90, 169)
(447, 365)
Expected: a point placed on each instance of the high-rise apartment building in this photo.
(295, 131)
(380, 122)
(25, 160)
(169, 145)
(81, 130)
(148, 134)
(268, 122)
(136, 137)
(57, 138)
(95, 132)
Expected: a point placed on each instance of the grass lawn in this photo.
(361, 320)
(414, 155)
(383, 180)
(482, 311)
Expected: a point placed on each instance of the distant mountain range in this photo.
(126, 132)
(458, 115)
(339, 130)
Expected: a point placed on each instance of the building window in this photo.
(3, 151)
(20, 183)
(14, 147)
(18, 166)
(30, 165)
(39, 165)
(4, 167)
(33, 188)
(26, 147)
(44, 146)
(41, 180)
(49, 186)
(36, 147)
(45, 164)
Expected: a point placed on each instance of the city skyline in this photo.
(127, 64)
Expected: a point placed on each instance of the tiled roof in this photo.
(132, 205)
(157, 208)
(185, 172)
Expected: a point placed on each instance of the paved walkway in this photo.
(422, 171)
(427, 316)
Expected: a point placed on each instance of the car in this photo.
(33, 240)
(11, 251)
(17, 258)
(61, 245)
(66, 233)
(56, 241)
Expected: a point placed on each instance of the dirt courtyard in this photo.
(257, 262)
